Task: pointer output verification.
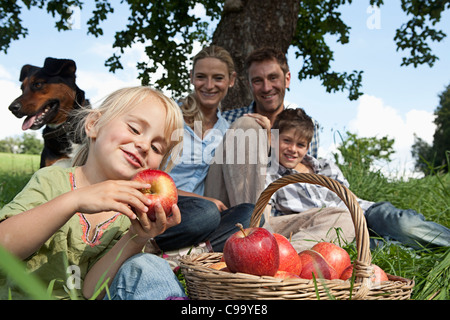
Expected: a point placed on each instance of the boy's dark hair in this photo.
(295, 118)
(265, 54)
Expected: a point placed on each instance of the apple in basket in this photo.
(163, 189)
(252, 250)
(378, 276)
(286, 275)
(314, 263)
(337, 257)
(289, 259)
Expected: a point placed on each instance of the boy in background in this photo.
(383, 219)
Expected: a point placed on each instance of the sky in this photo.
(397, 101)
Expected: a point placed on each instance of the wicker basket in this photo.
(205, 283)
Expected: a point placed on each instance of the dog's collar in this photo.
(57, 130)
(61, 129)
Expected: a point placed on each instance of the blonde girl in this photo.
(86, 223)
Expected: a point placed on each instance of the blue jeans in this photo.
(201, 220)
(240, 213)
(145, 276)
(406, 226)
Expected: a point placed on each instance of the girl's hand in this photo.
(145, 229)
(113, 195)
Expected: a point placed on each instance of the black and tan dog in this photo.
(49, 94)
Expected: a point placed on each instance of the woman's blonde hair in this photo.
(119, 102)
(189, 105)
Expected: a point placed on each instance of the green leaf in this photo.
(16, 271)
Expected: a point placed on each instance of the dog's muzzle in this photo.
(14, 107)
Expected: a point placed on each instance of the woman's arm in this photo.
(217, 202)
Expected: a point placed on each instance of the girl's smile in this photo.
(134, 160)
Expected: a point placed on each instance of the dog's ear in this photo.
(61, 67)
(26, 71)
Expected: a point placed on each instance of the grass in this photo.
(429, 195)
(429, 268)
(15, 171)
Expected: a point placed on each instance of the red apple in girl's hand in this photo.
(289, 259)
(313, 262)
(252, 250)
(337, 257)
(163, 189)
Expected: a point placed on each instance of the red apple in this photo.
(252, 250)
(347, 273)
(378, 276)
(286, 275)
(289, 259)
(337, 257)
(314, 263)
(162, 189)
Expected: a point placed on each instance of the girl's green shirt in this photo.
(69, 253)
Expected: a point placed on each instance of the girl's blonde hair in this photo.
(119, 102)
(189, 105)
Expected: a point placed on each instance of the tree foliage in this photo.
(169, 29)
(435, 157)
(317, 19)
(28, 143)
(363, 152)
(163, 23)
(415, 34)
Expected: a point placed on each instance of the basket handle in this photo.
(362, 266)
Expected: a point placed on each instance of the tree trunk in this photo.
(250, 24)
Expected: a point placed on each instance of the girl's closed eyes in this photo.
(138, 126)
